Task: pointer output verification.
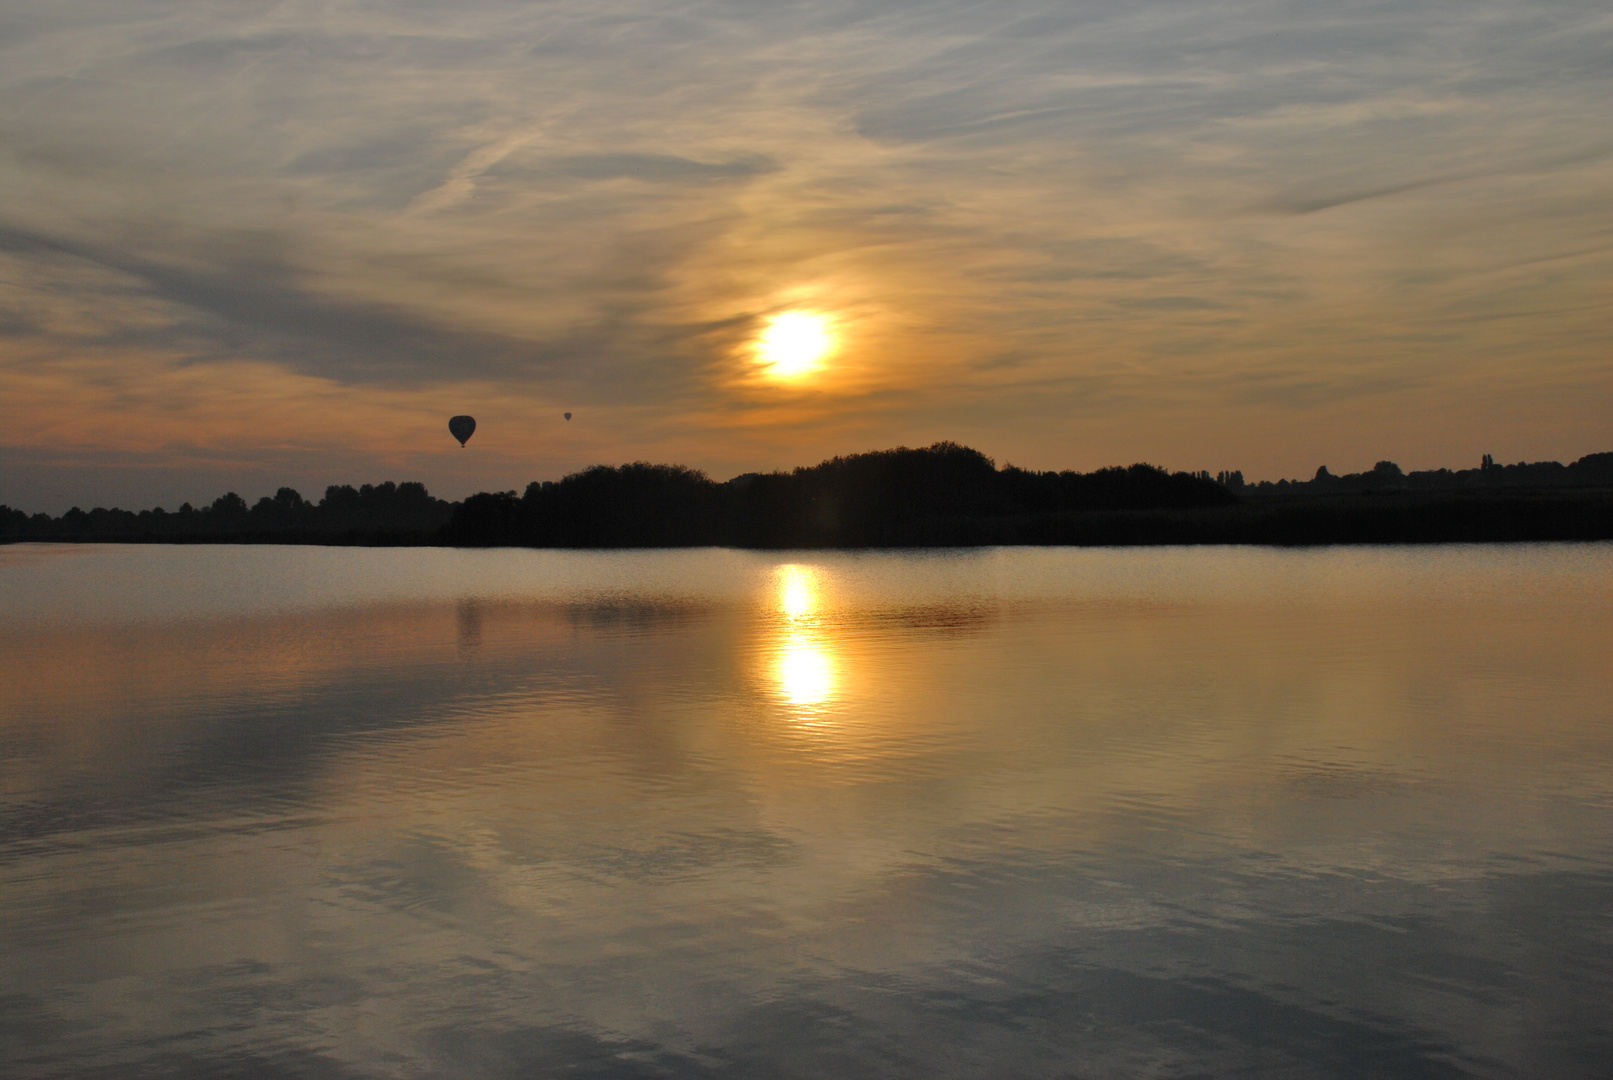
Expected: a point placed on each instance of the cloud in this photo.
(1168, 303)
(663, 168)
(240, 295)
(601, 201)
(461, 182)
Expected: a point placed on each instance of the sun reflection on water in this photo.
(804, 661)
(805, 673)
(798, 592)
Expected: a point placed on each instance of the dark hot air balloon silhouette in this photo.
(568, 416)
(462, 428)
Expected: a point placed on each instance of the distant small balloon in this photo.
(462, 428)
(568, 416)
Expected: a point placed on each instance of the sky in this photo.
(252, 244)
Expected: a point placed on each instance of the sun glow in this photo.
(794, 344)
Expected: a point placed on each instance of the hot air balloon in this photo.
(568, 416)
(462, 428)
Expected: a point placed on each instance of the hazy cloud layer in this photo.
(1236, 235)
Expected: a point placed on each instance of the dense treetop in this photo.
(942, 494)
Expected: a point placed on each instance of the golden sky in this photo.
(253, 244)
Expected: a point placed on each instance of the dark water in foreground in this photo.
(328, 813)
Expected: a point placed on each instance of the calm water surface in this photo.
(303, 812)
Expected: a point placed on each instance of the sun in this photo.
(794, 344)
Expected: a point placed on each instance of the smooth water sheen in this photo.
(313, 812)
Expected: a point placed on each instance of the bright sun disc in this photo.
(795, 344)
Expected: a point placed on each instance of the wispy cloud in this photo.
(461, 182)
(1003, 206)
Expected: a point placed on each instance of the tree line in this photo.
(941, 495)
(374, 513)
(1592, 470)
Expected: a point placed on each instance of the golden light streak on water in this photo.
(797, 591)
(804, 661)
(806, 672)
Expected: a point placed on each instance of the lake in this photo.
(1033, 812)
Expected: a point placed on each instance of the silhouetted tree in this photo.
(944, 494)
